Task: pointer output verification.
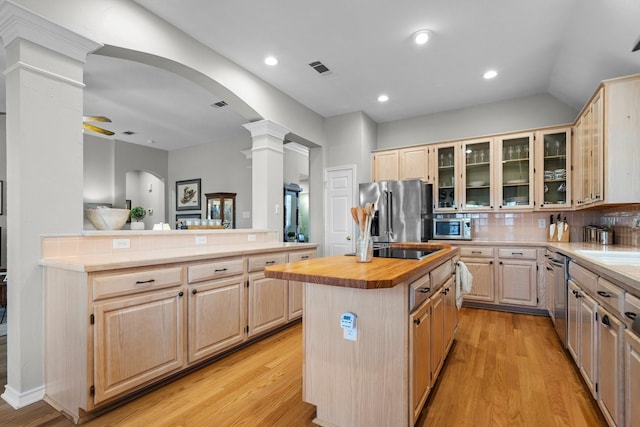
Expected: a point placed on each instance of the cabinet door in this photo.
(446, 195)
(517, 282)
(477, 175)
(217, 316)
(385, 166)
(450, 312)
(610, 366)
(515, 174)
(420, 364)
(573, 321)
(437, 334)
(137, 340)
(483, 272)
(414, 163)
(553, 167)
(597, 148)
(267, 303)
(296, 289)
(587, 340)
(550, 281)
(632, 379)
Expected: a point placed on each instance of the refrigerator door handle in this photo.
(390, 216)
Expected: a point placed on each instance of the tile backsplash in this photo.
(625, 222)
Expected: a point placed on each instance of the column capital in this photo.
(18, 22)
(266, 127)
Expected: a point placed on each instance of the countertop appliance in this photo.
(557, 288)
(452, 228)
(403, 210)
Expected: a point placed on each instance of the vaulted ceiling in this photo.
(560, 47)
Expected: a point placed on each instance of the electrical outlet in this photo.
(201, 240)
(251, 237)
(121, 243)
(350, 334)
(542, 223)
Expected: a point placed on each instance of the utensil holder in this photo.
(364, 249)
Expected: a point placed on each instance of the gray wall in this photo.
(498, 117)
(221, 167)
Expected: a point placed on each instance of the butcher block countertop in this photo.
(345, 271)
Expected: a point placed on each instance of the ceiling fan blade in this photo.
(102, 119)
(97, 129)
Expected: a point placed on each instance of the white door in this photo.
(340, 197)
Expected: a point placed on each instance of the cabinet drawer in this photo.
(441, 274)
(586, 279)
(476, 251)
(258, 263)
(136, 281)
(610, 295)
(519, 253)
(301, 255)
(215, 269)
(631, 308)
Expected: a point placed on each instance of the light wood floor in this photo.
(504, 370)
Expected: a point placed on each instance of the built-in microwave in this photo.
(452, 228)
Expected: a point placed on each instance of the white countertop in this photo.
(92, 263)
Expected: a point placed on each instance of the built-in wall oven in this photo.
(557, 265)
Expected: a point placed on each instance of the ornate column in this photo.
(44, 175)
(267, 176)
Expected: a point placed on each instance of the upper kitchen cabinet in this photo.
(385, 166)
(553, 168)
(608, 145)
(416, 163)
(515, 171)
(477, 175)
(446, 191)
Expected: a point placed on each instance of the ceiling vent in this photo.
(219, 104)
(320, 67)
(128, 132)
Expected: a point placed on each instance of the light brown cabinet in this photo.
(582, 330)
(136, 340)
(632, 378)
(447, 183)
(514, 154)
(610, 366)
(386, 166)
(517, 277)
(296, 288)
(124, 329)
(416, 163)
(450, 313)
(477, 175)
(420, 362)
(481, 265)
(553, 175)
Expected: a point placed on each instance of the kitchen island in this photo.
(405, 318)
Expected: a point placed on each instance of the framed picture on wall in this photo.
(188, 195)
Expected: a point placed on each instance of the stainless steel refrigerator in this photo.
(403, 210)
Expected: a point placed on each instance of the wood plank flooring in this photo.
(504, 370)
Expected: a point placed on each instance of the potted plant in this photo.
(137, 214)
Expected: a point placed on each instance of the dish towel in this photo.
(464, 282)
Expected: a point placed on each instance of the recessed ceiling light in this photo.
(490, 74)
(383, 98)
(421, 37)
(270, 60)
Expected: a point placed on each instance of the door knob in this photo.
(348, 237)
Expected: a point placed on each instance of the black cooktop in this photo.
(402, 253)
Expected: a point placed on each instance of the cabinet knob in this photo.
(218, 270)
(606, 321)
(194, 291)
(416, 321)
(631, 315)
(604, 294)
(142, 282)
(180, 293)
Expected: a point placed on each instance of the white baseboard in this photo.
(18, 400)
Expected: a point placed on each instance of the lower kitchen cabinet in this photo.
(610, 366)
(581, 336)
(267, 303)
(517, 277)
(632, 378)
(420, 363)
(437, 333)
(137, 339)
(480, 263)
(450, 313)
(217, 313)
(296, 288)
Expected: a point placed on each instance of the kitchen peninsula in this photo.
(126, 310)
(404, 317)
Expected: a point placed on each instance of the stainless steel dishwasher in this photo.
(557, 291)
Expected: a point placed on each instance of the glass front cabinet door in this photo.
(445, 187)
(515, 174)
(553, 171)
(477, 175)
(221, 208)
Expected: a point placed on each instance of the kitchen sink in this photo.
(612, 257)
